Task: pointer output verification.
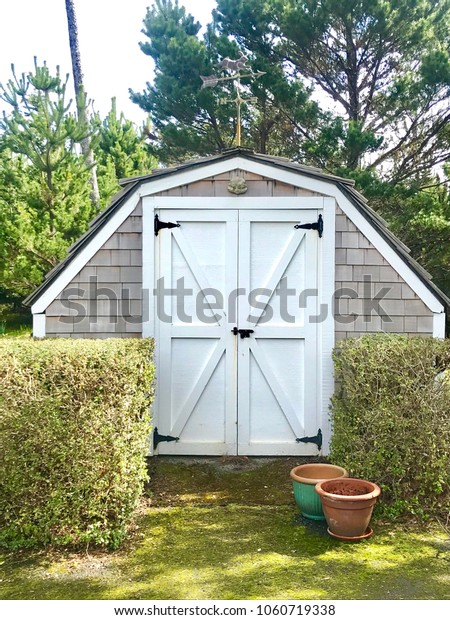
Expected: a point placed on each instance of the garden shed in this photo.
(246, 269)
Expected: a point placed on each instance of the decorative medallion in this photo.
(237, 186)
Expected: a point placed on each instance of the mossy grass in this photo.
(213, 529)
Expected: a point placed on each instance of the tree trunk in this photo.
(81, 98)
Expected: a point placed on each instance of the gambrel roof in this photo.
(345, 186)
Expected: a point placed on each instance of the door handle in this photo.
(245, 333)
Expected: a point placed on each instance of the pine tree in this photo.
(190, 120)
(382, 65)
(124, 146)
(44, 185)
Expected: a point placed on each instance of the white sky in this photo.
(109, 33)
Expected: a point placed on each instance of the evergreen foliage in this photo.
(379, 72)
(383, 67)
(45, 192)
(359, 89)
(121, 147)
(191, 120)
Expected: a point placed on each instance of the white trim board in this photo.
(232, 203)
(39, 325)
(148, 271)
(326, 330)
(439, 325)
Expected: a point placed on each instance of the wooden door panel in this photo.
(217, 392)
(278, 363)
(197, 396)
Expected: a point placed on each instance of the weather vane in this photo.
(235, 67)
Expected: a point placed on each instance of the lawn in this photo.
(13, 323)
(229, 529)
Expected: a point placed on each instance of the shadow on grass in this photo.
(199, 481)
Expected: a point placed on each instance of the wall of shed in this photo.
(363, 272)
(106, 295)
(108, 290)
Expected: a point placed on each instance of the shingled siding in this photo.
(362, 273)
(106, 296)
(217, 187)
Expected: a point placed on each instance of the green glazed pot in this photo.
(304, 480)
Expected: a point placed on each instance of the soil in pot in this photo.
(304, 479)
(348, 505)
(347, 489)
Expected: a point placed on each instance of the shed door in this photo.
(218, 392)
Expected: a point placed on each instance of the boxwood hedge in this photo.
(391, 419)
(74, 427)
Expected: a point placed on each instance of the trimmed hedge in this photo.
(74, 426)
(391, 419)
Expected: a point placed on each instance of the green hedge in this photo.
(74, 426)
(391, 419)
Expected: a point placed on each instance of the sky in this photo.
(109, 34)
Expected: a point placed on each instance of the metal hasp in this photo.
(314, 226)
(159, 225)
(157, 438)
(317, 439)
(245, 333)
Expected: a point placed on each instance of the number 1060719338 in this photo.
(296, 610)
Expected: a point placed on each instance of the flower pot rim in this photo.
(374, 493)
(306, 480)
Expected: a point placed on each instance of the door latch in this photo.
(245, 333)
(317, 439)
(314, 226)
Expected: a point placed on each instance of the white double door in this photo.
(222, 392)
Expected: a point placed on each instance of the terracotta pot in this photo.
(304, 480)
(348, 504)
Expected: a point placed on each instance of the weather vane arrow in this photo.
(235, 66)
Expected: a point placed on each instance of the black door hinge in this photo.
(314, 226)
(157, 438)
(160, 225)
(317, 439)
